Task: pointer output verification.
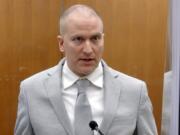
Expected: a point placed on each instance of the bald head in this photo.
(77, 11)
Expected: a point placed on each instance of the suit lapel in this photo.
(111, 98)
(54, 87)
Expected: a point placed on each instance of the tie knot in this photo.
(82, 84)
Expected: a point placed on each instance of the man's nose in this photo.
(87, 48)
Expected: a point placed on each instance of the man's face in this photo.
(82, 43)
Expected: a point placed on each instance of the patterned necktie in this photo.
(83, 114)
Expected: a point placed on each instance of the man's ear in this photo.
(61, 43)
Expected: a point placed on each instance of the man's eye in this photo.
(77, 39)
(96, 38)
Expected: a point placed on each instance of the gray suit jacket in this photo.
(41, 110)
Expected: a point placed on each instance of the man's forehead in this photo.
(83, 24)
(83, 29)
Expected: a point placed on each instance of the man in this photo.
(118, 103)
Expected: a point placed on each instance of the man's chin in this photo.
(85, 72)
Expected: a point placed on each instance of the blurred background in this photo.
(136, 40)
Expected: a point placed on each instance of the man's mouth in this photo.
(87, 59)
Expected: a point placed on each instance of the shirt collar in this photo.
(96, 77)
(69, 78)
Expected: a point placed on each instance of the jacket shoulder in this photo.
(125, 78)
(40, 76)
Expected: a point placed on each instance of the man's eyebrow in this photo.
(94, 34)
(77, 35)
(97, 34)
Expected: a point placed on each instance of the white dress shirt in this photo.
(95, 92)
